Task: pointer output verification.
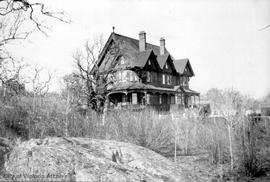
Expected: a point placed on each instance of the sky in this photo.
(221, 38)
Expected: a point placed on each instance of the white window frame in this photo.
(164, 79)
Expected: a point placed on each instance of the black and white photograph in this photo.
(135, 90)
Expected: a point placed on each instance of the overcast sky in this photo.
(221, 38)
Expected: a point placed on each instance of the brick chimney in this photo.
(142, 41)
(162, 46)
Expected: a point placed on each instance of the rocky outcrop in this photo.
(83, 159)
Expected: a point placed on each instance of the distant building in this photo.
(148, 74)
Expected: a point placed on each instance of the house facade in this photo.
(145, 74)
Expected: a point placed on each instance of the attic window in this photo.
(149, 62)
(121, 60)
(166, 66)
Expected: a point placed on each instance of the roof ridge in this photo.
(135, 39)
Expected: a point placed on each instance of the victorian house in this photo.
(146, 74)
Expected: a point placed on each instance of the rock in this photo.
(84, 159)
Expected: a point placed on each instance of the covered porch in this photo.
(138, 95)
(160, 101)
(190, 98)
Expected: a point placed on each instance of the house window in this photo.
(154, 77)
(185, 81)
(128, 76)
(163, 79)
(132, 77)
(148, 76)
(147, 98)
(149, 62)
(169, 79)
(135, 78)
(166, 66)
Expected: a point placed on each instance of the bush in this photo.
(254, 147)
(142, 128)
(13, 120)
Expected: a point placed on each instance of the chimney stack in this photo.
(162, 46)
(142, 41)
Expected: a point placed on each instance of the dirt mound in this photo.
(82, 159)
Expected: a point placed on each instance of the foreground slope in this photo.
(84, 159)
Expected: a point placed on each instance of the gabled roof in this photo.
(162, 59)
(142, 57)
(181, 64)
(135, 43)
(130, 47)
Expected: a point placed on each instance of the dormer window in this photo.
(169, 79)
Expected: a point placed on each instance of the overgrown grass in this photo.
(184, 131)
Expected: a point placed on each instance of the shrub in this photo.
(13, 121)
(253, 147)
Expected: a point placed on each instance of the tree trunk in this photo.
(230, 143)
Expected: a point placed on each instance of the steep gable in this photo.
(151, 63)
(129, 46)
(162, 59)
(183, 64)
(129, 49)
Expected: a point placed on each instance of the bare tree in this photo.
(95, 80)
(25, 12)
(12, 82)
(18, 19)
(232, 114)
(40, 87)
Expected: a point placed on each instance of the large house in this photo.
(147, 74)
